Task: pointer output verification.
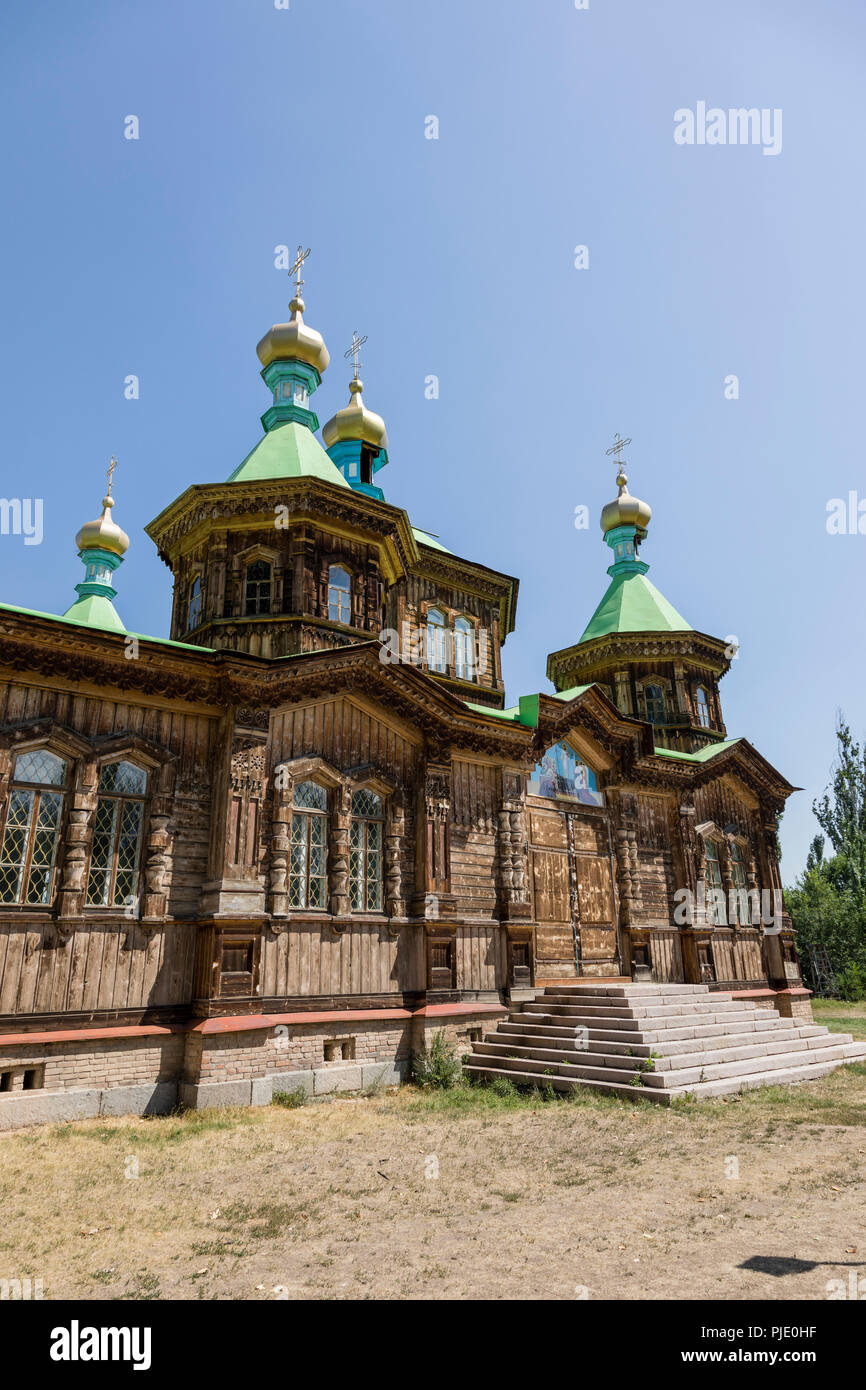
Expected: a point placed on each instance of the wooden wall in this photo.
(103, 966)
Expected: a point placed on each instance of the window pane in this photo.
(365, 803)
(463, 654)
(435, 640)
(99, 880)
(45, 839)
(124, 779)
(310, 795)
(339, 594)
(14, 850)
(42, 767)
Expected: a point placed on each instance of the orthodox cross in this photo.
(617, 448)
(111, 469)
(297, 268)
(354, 350)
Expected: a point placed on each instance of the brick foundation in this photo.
(233, 1061)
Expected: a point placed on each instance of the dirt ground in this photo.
(463, 1194)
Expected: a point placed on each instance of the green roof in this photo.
(702, 756)
(512, 715)
(289, 451)
(633, 604)
(95, 610)
(78, 616)
(426, 538)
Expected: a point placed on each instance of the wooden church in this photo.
(286, 844)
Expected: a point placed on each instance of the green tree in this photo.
(841, 812)
(828, 902)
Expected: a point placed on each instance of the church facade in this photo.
(285, 845)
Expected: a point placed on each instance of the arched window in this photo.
(561, 773)
(436, 640)
(464, 655)
(654, 701)
(703, 707)
(32, 833)
(339, 595)
(714, 888)
(195, 604)
(365, 852)
(258, 588)
(117, 830)
(308, 864)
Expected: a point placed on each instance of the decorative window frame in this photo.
(333, 561)
(86, 757)
(240, 562)
(340, 786)
(665, 685)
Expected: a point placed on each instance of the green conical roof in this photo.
(94, 610)
(633, 604)
(288, 451)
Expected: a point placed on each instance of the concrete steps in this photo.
(656, 1041)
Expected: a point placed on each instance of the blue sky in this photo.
(261, 126)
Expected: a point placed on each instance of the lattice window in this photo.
(117, 832)
(339, 595)
(31, 835)
(308, 860)
(365, 852)
(258, 588)
(464, 656)
(436, 653)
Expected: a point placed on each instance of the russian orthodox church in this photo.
(289, 841)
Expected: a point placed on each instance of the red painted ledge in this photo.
(250, 1023)
(139, 1030)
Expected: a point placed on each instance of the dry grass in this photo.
(533, 1198)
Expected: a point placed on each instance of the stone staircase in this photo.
(655, 1041)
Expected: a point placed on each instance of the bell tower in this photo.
(649, 661)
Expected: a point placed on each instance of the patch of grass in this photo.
(841, 1017)
(267, 1220)
(290, 1100)
(145, 1287)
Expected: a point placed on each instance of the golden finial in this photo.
(297, 268)
(354, 352)
(111, 469)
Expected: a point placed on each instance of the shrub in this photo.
(290, 1100)
(851, 982)
(437, 1066)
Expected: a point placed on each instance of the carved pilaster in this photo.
(513, 848)
(339, 901)
(157, 849)
(281, 821)
(76, 852)
(395, 831)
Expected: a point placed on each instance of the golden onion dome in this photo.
(625, 510)
(294, 340)
(355, 421)
(103, 534)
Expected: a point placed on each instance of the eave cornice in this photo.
(614, 648)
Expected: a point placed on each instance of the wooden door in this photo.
(553, 896)
(596, 907)
(573, 895)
